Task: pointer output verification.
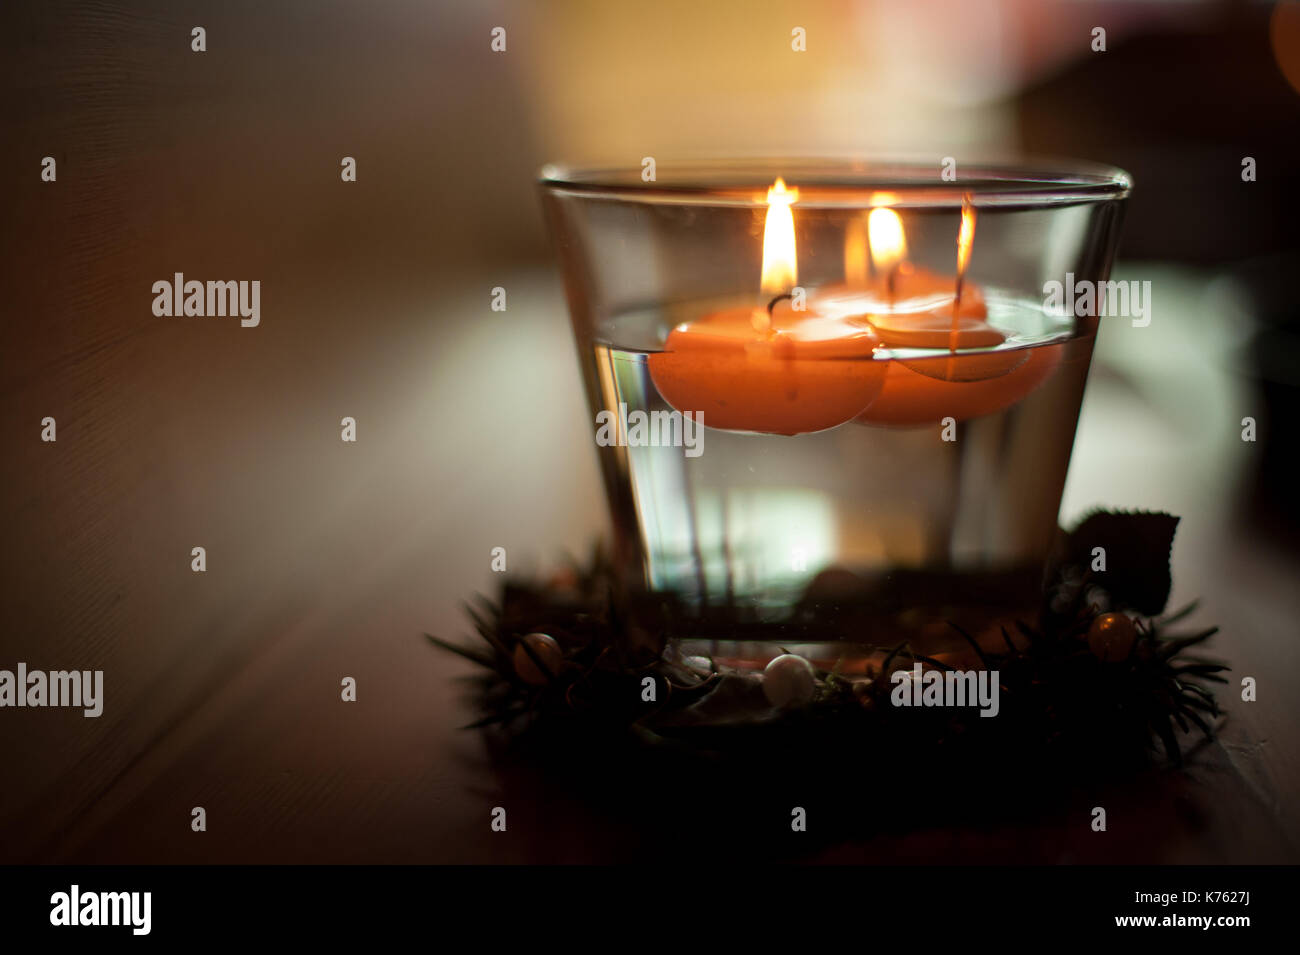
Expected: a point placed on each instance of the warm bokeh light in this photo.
(1284, 35)
(856, 265)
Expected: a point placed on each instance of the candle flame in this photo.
(966, 235)
(780, 268)
(965, 239)
(857, 261)
(888, 243)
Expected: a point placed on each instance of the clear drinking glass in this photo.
(883, 454)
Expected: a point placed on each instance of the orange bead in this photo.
(1111, 636)
(544, 648)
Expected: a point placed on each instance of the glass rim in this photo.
(846, 183)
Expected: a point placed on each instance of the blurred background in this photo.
(328, 559)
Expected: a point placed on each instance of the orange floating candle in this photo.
(915, 392)
(808, 375)
(773, 370)
(921, 391)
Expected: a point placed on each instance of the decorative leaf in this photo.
(1138, 547)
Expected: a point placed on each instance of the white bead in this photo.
(789, 681)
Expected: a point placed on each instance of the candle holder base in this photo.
(1085, 676)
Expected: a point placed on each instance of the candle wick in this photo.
(891, 282)
(772, 304)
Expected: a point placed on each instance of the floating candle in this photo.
(916, 392)
(795, 376)
(926, 310)
(775, 370)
